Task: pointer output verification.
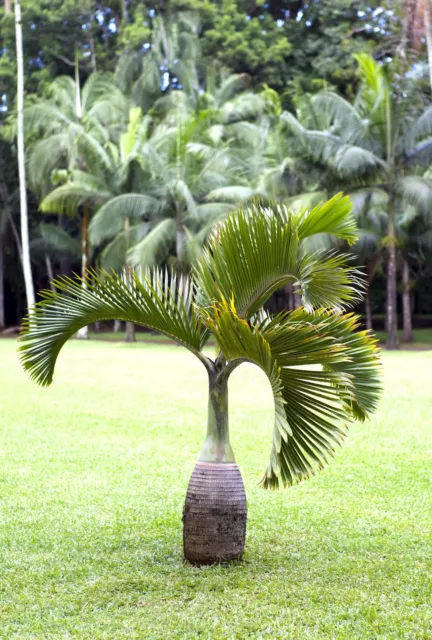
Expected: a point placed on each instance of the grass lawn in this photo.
(422, 339)
(93, 476)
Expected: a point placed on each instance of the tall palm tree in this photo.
(376, 143)
(322, 371)
(370, 213)
(75, 128)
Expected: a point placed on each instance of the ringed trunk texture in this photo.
(214, 517)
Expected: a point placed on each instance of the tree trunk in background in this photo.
(297, 300)
(130, 332)
(215, 510)
(180, 242)
(406, 302)
(391, 308)
(130, 327)
(83, 332)
(2, 305)
(428, 37)
(117, 326)
(368, 309)
(289, 296)
(50, 273)
(28, 278)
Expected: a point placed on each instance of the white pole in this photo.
(28, 279)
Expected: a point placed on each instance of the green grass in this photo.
(93, 473)
(422, 339)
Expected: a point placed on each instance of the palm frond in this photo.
(154, 247)
(251, 256)
(232, 193)
(48, 154)
(329, 374)
(421, 129)
(183, 193)
(352, 161)
(326, 282)
(114, 255)
(58, 240)
(69, 197)
(305, 200)
(46, 117)
(95, 153)
(246, 106)
(230, 87)
(98, 85)
(62, 90)
(210, 211)
(417, 191)
(256, 251)
(334, 216)
(155, 300)
(109, 219)
(351, 126)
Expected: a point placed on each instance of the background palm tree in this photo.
(321, 370)
(77, 127)
(374, 144)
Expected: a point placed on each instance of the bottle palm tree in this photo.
(321, 370)
(375, 144)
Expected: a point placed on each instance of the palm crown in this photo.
(323, 372)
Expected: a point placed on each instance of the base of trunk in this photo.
(214, 516)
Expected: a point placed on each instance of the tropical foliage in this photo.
(153, 121)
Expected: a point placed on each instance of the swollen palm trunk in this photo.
(214, 517)
(214, 520)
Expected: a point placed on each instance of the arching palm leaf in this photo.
(252, 255)
(67, 198)
(154, 300)
(154, 247)
(109, 220)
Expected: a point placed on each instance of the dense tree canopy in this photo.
(158, 118)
